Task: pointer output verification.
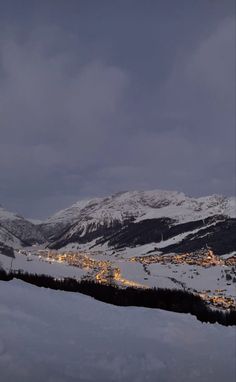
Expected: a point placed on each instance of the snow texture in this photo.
(36, 265)
(54, 336)
(144, 205)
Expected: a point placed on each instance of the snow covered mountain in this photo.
(170, 220)
(125, 237)
(136, 218)
(15, 231)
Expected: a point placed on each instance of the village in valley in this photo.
(212, 277)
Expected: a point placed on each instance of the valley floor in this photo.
(214, 280)
(56, 336)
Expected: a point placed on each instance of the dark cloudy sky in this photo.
(98, 96)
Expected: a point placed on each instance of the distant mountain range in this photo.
(171, 221)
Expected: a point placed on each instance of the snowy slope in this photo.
(16, 231)
(128, 219)
(88, 220)
(145, 205)
(54, 336)
(7, 238)
(36, 265)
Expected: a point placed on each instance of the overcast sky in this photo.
(102, 96)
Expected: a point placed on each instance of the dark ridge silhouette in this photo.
(220, 237)
(166, 299)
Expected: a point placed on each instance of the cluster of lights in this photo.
(201, 258)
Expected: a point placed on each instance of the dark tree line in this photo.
(7, 251)
(167, 299)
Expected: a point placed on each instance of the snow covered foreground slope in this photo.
(54, 336)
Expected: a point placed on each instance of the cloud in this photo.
(74, 127)
(201, 87)
(53, 120)
(188, 143)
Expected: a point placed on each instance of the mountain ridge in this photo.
(134, 215)
(127, 219)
